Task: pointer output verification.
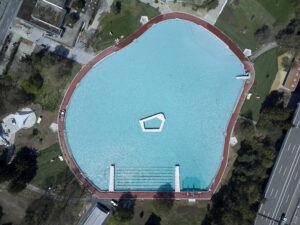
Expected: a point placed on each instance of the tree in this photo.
(22, 169)
(78, 4)
(164, 199)
(263, 34)
(117, 7)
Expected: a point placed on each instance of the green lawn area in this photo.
(55, 174)
(51, 93)
(265, 71)
(241, 21)
(280, 9)
(181, 213)
(124, 23)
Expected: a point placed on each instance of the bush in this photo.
(263, 34)
(286, 63)
(117, 7)
(78, 4)
(33, 84)
(210, 4)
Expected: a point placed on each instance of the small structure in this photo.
(247, 52)
(53, 127)
(97, 216)
(11, 124)
(246, 76)
(144, 20)
(233, 141)
(60, 158)
(159, 116)
(249, 95)
(292, 78)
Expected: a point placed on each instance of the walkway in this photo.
(181, 195)
(263, 49)
(58, 197)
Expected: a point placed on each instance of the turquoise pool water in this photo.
(176, 68)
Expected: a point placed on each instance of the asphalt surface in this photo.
(283, 190)
(10, 10)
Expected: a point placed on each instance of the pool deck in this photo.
(85, 69)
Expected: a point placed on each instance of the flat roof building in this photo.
(98, 216)
(45, 14)
(292, 78)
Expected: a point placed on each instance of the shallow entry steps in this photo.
(144, 178)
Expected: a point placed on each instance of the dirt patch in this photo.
(280, 76)
(44, 137)
(188, 8)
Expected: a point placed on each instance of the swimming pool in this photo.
(176, 68)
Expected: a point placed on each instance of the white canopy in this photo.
(20, 119)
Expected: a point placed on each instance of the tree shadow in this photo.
(248, 114)
(153, 220)
(125, 210)
(164, 199)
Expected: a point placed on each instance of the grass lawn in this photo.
(181, 213)
(124, 23)
(55, 174)
(241, 21)
(51, 93)
(265, 71)
(280, 9)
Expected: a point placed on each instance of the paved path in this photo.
(263, 49)
(179, 195)
(58, 197)
(213, 15)
(283, 190)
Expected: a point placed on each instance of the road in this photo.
(10, 9)
(283, 188)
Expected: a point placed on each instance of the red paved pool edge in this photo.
(143, 195)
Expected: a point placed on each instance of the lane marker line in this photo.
(276, 194)
(295, 178)
(271, 192)
(280, 169)
(284, 171)
(287, 199)
(293, 149)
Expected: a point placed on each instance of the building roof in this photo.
(48, 13)
(60, 3)
(43, 14)
(97, 216)
(293, 75)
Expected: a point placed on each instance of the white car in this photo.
(114, 203)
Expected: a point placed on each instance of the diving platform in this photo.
(177, 179)
(111, 178)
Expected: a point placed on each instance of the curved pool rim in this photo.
(248, 67)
